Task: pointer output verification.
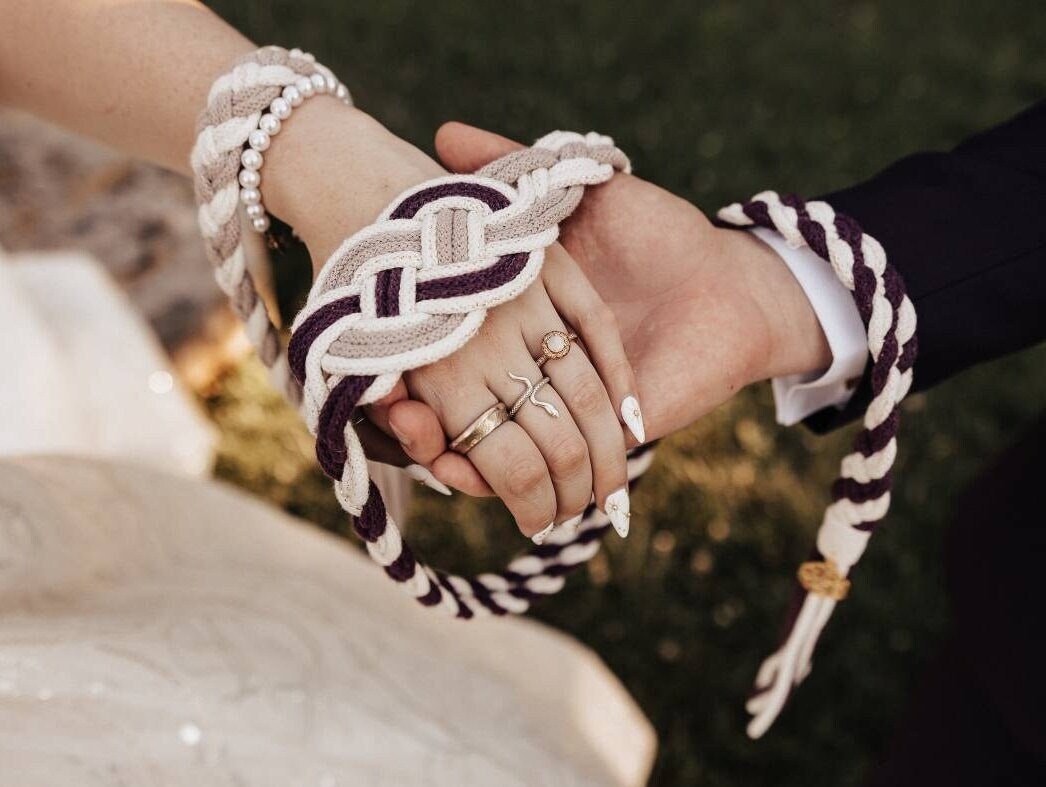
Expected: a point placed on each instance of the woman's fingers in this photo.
(581, 307)
(544, 416)
(515, 469)
(458, 472)
(578, 382)
(506, 458)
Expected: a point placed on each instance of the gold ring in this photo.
(554, 344)
(491, 419)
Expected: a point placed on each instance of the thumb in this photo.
(464, 148)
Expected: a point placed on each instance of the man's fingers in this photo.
(464, 148)
(378, 412)
(418, 430)
(379, 446)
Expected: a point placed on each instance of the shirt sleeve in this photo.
(797, 396)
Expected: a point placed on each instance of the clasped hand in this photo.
(669, 311)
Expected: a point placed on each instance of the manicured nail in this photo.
(541, 535)
(616, 507)
(425, 476)
(572, 524)
(633, 418)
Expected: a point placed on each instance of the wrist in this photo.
(333, 169)
(791, 339)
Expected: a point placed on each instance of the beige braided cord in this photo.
(234, 106)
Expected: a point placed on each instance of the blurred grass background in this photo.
(715, 101)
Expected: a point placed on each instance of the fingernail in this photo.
(541, 535)
(633, 418)
(572, 524)
(404, 440)
(616, 507)
(425, 476)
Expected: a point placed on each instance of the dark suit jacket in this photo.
(967, 231)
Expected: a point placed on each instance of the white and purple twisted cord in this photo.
(407, 291)
(861, 494)
(411, 289)
(415, 287)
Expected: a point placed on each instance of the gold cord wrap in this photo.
(822, 578)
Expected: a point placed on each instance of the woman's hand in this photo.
(332, 172)
(544, 467)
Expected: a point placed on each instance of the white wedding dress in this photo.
(157, 628)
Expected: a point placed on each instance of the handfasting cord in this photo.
(415, 286)
(404, 292)
(861, 494)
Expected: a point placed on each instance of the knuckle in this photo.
(525, 479)
(619, 368)
(588, 397)
(569, 456)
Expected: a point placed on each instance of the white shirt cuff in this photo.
(796, 396)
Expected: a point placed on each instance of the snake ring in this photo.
(554, 344)
(530, 394)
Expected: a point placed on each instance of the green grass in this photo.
(715, 101)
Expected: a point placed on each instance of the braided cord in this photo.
(861, 493)
(400, 294)
(235, 104)
(411, 289)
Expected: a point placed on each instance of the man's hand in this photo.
(703, 311)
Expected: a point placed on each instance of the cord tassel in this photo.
(862, 491)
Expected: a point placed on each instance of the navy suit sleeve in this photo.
(967, 231)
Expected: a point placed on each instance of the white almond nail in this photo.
(633, 418)
(425, 476)
(617, 508)
(541, 535)
(571, 525)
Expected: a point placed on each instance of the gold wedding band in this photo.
(554, 344)
(491, 419)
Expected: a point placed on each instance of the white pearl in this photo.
(270, 124)
(251, 159)
(293, 95)
(295, 52)
(254, 211)
(342, 92)
(305, 87)
(331, 82)
(250, 196)
(258, 140)
(319, 83)
(281, 108)
(250, 178)
(260, 224)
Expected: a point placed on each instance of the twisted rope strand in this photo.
(234, 105)
(861, 494)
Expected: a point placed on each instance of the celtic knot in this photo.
(409, 290)
(416, 285)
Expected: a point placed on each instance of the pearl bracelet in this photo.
(322, 82)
